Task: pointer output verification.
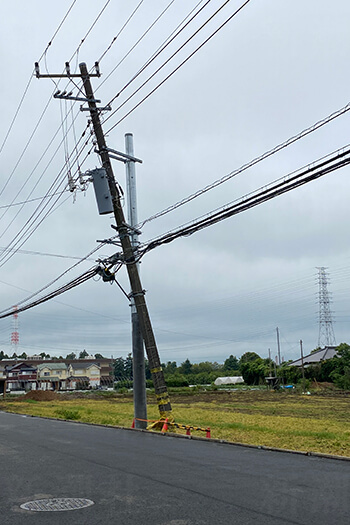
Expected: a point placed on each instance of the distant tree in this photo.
(99, 356)
(289, 374)
(3, 356)
(23, 355)
(119, 368)
(72, 355)
(170, 367)
(249, 356)
(204, 367)
(341, 373)
(186, 367)
(231, 363)
(128, 367)
(83, 354)
(14, 355)
(255, 371)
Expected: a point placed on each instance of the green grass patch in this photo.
(308, 423)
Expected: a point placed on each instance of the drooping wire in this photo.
(174, 70)
(249, 164)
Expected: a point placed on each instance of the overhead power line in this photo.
(135, 45)
(174, 70)
(72, 284)
(178, 30)
(44, 254)
(31, 77)
(321, 167)
(249, 164)
(121, 30)
(33, 223)
(82, 259)
(28, 201)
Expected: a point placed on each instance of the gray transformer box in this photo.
(102, 193)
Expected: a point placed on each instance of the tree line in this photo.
(44, 355)
(253, 368)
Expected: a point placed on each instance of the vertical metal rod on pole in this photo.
(139, 379)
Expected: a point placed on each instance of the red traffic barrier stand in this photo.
(165, 426)
(188, 431)
(208, 433)
(133, 423)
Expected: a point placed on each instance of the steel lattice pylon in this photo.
(326, 333)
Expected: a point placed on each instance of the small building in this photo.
(52, 376)
(2, 380)
(83, 375)
(21, 376)
(230, 380)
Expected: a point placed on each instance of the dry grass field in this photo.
(316, 423)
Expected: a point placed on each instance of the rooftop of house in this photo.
(78, 366)
(52, 366)
(316, 357)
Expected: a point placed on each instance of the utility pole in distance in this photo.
(278, 347)
(138, 362)
(137, 291)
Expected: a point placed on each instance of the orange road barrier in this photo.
(164, 425)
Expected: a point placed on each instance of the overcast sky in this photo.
(275, 69)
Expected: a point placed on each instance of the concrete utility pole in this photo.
(140, 398)
(278, 346)
(123, 229)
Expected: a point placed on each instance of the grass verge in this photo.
(291, 421)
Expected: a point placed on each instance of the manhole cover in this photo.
(55, 504)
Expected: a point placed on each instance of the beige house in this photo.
(83, 375)
(52, 376)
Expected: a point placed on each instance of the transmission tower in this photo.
(326, 334)
(15, 332)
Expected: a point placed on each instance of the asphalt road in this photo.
(141, 478)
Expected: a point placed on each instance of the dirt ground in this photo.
(219, 397)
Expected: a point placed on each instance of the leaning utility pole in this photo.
(137, 292)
